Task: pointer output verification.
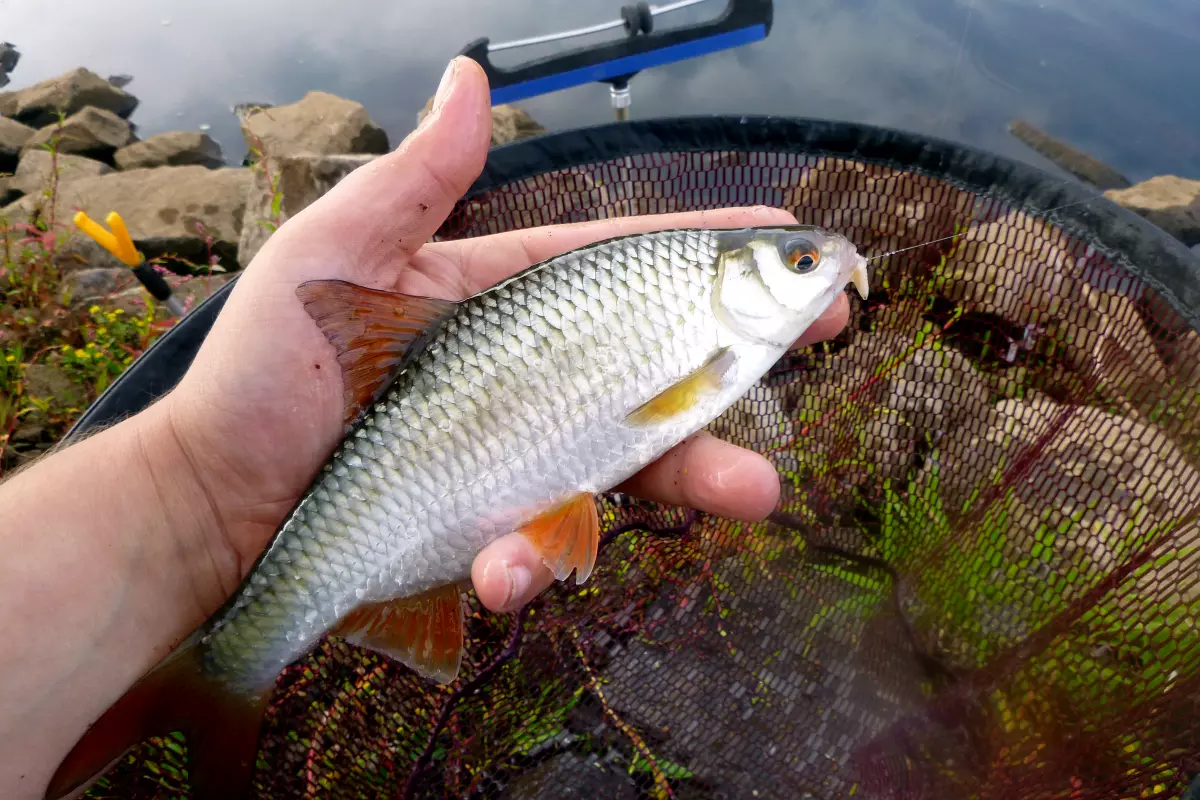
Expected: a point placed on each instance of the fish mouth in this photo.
(857, 275)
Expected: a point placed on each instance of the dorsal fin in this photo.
(372, 331)
(423, 632)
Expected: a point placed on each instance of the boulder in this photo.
(9, 56)
(8, 192)
(1100, 476)
(40, 104)
(178, 149)
(82, 287)
(195, 291)
(1170, 202)
(92, 132)
(509, 123)
(13, 136)
(300, 180)
(50, 383)
(320, 124)
(1018, 267)
(33, 173)
(174, 212)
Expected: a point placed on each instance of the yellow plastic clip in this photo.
(118, 242)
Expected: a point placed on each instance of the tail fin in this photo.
(221, 728)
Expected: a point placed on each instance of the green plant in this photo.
(39, 325)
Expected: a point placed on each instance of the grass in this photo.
(82, 348)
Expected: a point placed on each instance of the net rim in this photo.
(1143, 249)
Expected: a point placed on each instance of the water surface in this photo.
(1120, 80)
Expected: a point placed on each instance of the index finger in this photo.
(487, 260)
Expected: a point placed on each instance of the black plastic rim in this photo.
(1146, 251)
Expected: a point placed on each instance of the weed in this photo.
(40, 326)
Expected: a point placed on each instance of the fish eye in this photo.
(801, 256)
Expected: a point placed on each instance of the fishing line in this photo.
(954, 76)
(971, 228)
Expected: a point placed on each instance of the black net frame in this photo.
(978, 583)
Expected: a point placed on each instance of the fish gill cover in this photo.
(981, 580)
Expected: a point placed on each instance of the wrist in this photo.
(115, 558)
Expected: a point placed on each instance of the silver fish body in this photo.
(518, 401)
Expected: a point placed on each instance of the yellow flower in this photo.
(101, 330)
(10, 358)
(94, 310)
(118, 312)
(80, 353)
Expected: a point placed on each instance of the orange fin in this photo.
(568, 537)
(221, 729)
(372, 331)
(424, 632)
(685, 394)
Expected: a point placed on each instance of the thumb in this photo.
(386, 210)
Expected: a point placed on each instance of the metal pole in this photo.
(621, 100)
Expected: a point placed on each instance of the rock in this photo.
(8, 192)
(170, 211)
(509, 123)
(121, 80)
(1170, 202)
(1074, 161)
(179, 149)
(195, 291)
(320, 124)
(69, 93)
(1182, 357)
(13, 136)
(301, 179)
(1019, 268)
(244, 110)
(83, 287)
(1101, 476)
(47, 382)
(37, 166)
(9, 56)
(29, 433)
(1105, 336)
(92, 132)
(561, 197)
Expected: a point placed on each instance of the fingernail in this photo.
(445, 86)
(518, 583)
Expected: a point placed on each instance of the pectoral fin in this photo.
(567, 537)
(684, 395)
(424, 632)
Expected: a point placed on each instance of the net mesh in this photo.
(981, 580)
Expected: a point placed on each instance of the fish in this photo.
(509, 411)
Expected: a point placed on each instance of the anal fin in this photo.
(423, 632)
(568, 537)
(686, 393)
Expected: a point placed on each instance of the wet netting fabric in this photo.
(983, 575)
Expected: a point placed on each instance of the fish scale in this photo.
(508, 411)
(428, 475)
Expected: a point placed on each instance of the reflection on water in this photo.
(1116, 79)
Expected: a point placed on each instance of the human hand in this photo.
(261, 408)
